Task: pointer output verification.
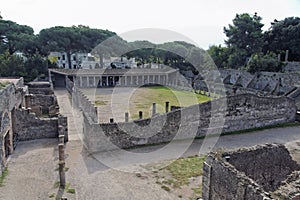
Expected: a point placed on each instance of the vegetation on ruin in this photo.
(3, 175)
(3, 84)
(100, 103)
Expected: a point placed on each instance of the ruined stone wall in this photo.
(268, 166)
(246, 174)
(242, 112)
(44, 88)
(221, 180)
(10, 98)
(29, 127)
(292, 67)
(278, 83)
(69, 85)
(80, 100)
(269, 82)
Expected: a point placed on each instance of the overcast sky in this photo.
(201, 21)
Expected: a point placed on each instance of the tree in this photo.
(264, 62)
(71, 39)
(11, 65)
(244, 38)
(219, 55)
(15, 37)
(284, 35)
(34, 66)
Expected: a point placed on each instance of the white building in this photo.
(88, 61)
(77, 59)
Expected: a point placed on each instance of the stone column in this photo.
(167, 106)
(158, 79)
(106, 81)
(153, 109)
(80, 79)
(88, 81)
(96, 113)
(125, 77)
(100, 80)
(114, 81)
(61, 164)
(286, 55)
(167, 79)
(126, 117)
(95, 81)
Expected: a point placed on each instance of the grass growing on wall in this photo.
(3, 175)
(3, 84)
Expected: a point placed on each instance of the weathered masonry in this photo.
(257, 173)
(25, 116)
(242, 112)
(12, 96)
(114, 77)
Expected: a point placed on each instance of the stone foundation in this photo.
(252, 173)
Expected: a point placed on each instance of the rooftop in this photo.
(134, 71)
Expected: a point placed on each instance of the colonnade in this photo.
(124, 80)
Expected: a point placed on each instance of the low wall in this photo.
(246, 174)
(82, 102)
(30, 127)
(292, 67)
(242, 112)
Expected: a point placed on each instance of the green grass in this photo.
(100, 103)
(144, 97)
(185, 168)
(3, 84)
(67, 187)
(3, 175)
(52, 195)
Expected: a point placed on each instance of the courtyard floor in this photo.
(114, 102)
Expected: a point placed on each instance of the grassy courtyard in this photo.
(143, 98)
(133, 100)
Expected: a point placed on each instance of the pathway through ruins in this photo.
(32, 167)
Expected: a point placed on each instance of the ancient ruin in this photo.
(28, 112)
(260, 172)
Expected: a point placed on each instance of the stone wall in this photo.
(242, 112)
(11, 97)
(29, 127)
(44, 88)
(46, 104)
(269, 82)
(81, 101)
(246, 174)
(292, 67)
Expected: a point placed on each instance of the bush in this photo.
(264, 62)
